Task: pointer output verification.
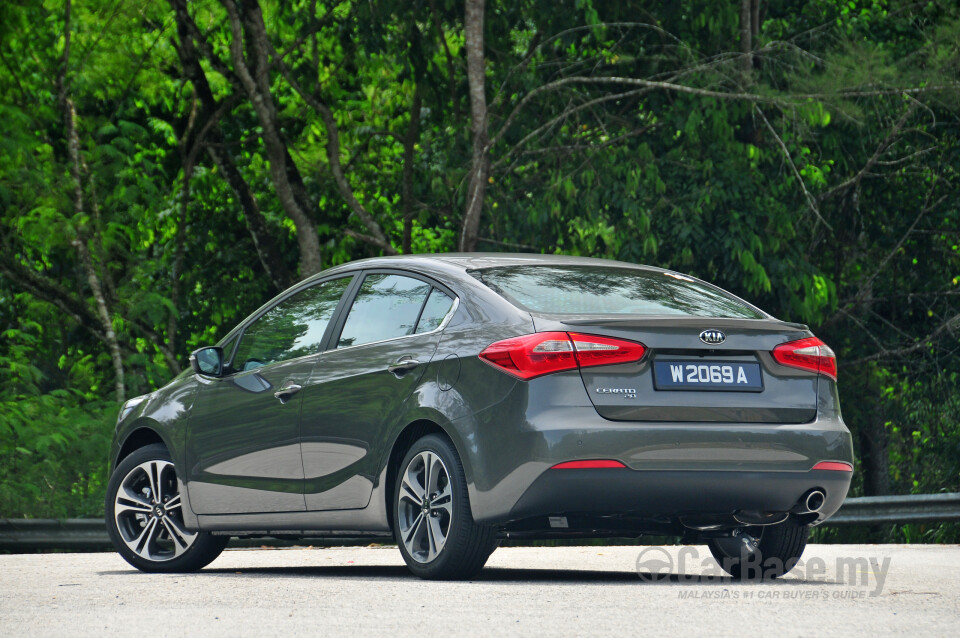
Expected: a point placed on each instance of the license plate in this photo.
(716, 375)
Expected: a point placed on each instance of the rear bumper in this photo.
(673, 468)
(675, 494)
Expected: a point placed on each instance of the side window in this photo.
(386, 306)
(434, 311)
(293, 328)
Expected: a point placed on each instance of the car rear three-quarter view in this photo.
(452, 401)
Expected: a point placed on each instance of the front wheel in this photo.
(145, 516)
(433, 526)
(761, 553)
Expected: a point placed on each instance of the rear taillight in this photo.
(532, 355)
(807, 354)
(542, 353)
(592, 350)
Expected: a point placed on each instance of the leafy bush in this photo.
(53, 445)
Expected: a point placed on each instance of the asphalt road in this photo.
(360, 591)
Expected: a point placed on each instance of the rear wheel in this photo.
(761, 553)
(433, 526)
(145, 516)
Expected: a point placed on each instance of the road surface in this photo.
(359, 591)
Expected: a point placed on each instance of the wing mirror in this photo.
(207, 361)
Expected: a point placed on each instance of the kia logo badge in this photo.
(712, 337)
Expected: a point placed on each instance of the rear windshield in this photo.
(611, 290)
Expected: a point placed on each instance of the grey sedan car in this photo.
(451, 401)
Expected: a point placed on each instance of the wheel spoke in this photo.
(153, 475)
(428, 473)
(129, 501)
(141, 544)
(444, 501)
(410, 490)
(181, 538)
(437, 538)
(411, 533)
(172, 504)
(431, 539)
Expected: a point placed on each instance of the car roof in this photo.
(475, 261)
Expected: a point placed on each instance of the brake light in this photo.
(588, 465)
(807, 354)
(543, 353)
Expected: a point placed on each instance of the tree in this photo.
(167, 168)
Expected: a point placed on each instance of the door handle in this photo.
(285, 393)
(403, 365)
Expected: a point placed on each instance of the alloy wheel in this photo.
(148, 512)
(425, 506)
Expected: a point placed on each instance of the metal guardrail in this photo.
(913, 508)
(91, 534)
(41, 534)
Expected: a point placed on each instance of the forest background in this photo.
(167, 167)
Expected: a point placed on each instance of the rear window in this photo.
(611, 290)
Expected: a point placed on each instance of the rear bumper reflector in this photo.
(589, 464)
(836, 466)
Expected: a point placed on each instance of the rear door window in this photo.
(612, 290)
(386, 307)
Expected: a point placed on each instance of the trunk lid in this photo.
(683, 379)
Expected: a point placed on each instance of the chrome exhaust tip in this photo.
(815, 500)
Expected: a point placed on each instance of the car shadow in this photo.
(489, 574)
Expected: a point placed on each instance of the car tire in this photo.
(437, 536)
(761, 553)
(145, 520)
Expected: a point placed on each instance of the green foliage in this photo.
(826, 192)
(52, 444)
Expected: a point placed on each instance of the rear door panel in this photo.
(352, 401)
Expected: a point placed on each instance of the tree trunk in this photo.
(746, 35)
(409, 152)
(263, 241)
(479, 162)
(79, 242)
(874, 443)
(110, 337)
(177, 267)
(376, 235)
(284, 174)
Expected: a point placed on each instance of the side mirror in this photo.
(207, 361)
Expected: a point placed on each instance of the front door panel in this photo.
(244, 437)
(243, 443)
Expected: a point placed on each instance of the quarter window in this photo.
(386, 307)
(434, 311)
(293, 328)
